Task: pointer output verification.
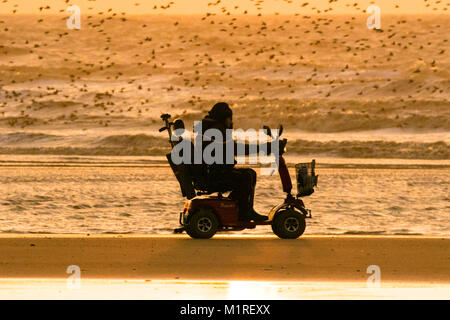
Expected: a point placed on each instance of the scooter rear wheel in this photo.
(289, 224)
(202, 225)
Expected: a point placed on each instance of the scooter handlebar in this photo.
(268, 131)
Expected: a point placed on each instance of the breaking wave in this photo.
(142, 144)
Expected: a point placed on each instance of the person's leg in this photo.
(253, 215)
(245, 188)
(252, 174)
(242, 186)
(242, 183)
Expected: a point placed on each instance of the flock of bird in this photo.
(227, 50)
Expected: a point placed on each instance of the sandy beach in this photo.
(251, 258)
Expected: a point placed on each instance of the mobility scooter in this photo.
(208, 211)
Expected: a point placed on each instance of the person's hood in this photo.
(220, 112)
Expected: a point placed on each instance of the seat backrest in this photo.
(191, 177)
(184, 178)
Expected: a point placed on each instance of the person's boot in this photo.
(255, 216)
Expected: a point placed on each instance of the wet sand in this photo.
(411, 259)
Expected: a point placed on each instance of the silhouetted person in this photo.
(241, 181)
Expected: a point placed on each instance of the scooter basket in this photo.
(306, 178)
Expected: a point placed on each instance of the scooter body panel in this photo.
(226, 210)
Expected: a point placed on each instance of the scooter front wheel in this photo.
(289, 224)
